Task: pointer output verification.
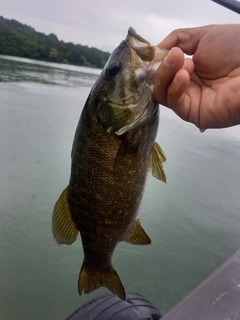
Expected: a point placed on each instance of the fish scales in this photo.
(113, 150)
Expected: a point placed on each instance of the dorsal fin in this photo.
(157, 157)
(137, 235)
(63, 228)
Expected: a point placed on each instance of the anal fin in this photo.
(137, 235)
(63, 228)
(157, 157)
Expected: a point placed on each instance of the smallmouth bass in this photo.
(113, 150)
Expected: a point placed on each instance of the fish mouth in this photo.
(132, 32)
(143, 48)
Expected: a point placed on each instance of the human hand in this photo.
(204, 90)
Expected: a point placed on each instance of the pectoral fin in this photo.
(63, 228)
(157, 157)
(137, 235)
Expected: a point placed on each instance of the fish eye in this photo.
(113, 69)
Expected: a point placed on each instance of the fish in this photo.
(113, 151)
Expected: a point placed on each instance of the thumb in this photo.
(166, 73)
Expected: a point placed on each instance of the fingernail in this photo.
(175, 79)
(168, 61)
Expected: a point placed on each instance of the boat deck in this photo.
(216, 298)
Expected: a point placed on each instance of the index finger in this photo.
(186, 39)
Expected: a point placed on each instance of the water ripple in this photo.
(25, 70)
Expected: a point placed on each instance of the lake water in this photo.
(193, 221)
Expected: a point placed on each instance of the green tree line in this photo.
(17, 39)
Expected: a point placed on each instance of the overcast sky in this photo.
(104, 23)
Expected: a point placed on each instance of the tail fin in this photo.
(91, 280)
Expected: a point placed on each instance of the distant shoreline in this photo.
(20, 40)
